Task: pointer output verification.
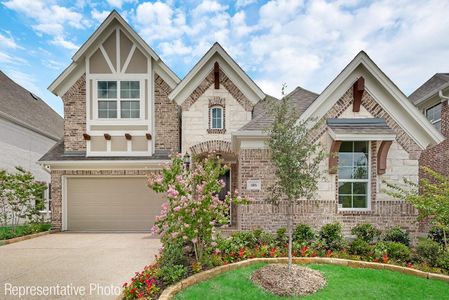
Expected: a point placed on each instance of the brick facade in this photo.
(437, 157)
(75, 116)
(402, 161)
(56, 187)
(168, 118)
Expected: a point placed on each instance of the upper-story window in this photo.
(216, 117)
(110, 102)
(433, 114)
(354, 175)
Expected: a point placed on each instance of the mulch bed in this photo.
(277, 279)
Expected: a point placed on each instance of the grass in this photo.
(6, 232)
(342, 283)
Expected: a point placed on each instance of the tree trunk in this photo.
(289, 232)
(445, 238)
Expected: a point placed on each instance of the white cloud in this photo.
(208, 6)
(60, 41)
(119, 3)
(243, 3)
(99, 16)
(8, 42)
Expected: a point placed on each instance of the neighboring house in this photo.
(432, 99)
(125, 111)
(28, 129)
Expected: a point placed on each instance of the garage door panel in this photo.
(111, 203)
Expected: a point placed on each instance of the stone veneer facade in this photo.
(402, 161)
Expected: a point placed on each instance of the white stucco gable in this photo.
(203, 68)
(386, 94)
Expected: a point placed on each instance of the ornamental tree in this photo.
(193, 209)
(296, 159)
(430, 197)
(21, 197)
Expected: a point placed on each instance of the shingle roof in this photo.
(300, 99)
(430, 87)
(56, 153)
(25, 108)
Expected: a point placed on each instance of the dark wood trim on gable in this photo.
(216, 76)
(358, 89)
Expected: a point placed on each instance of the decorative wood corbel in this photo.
(107, 136)
(382, 157)
(357, 89)
(216, 76)
(148, 136)
(86, 137)
(128, 136)
(333, 157)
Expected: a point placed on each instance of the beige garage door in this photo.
(111, 204)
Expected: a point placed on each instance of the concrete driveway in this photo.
(73, 265)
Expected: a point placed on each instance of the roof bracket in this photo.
(107, 136)
(382, 157)
(333, 157)
(86, 137)
(128, 136)
(148, 136)
(216, 76)
(358, 88)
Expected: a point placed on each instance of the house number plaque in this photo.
(253, 185)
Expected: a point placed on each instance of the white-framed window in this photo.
(119, 99)
(354, 175)
(433, 114)
(216, 117)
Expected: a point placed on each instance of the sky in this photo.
(296, 42)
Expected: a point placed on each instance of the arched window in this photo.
(216, 117)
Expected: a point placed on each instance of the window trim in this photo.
(368, 181)
(211, 117)
(433, 122)
(118, 100)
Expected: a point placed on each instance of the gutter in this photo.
(440, 93)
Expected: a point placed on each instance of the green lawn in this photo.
(342, 283)
(21, 230)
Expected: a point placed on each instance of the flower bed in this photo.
(429, 255)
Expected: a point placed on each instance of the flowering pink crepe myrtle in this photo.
(193, 209)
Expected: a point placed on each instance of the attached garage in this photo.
(110, 204)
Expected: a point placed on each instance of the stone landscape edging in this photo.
(172, 290)
(23, 238)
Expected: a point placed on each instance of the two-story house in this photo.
(125, 111)
(432, 99)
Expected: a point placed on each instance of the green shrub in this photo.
(173, 273)
(394, 250)
(366, 232)
(436, 233)
(303, 233)
(443, 261)
(396, 234)
(360, 247)
(429, 251)
(281, 236)
(332, 237)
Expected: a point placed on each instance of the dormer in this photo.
(118, 87)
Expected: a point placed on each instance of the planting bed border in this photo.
(23, 238)
(172, 290)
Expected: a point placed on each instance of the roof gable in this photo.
(77, 66)
(203, 68)
(430, 87)
(386, 94)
